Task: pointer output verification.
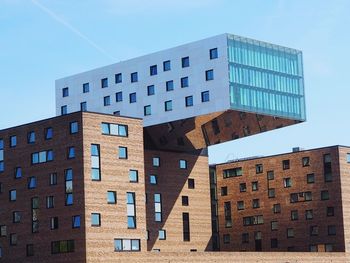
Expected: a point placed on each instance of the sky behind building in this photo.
(42, 40)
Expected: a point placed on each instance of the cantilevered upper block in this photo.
(221, 73)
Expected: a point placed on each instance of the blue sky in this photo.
(43, 40)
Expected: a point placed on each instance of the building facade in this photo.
(289, 202)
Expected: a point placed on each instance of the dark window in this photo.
(271, 192)
(16, 217)
(290, 232)
(133, 77)
(274, 243)
(13, 141)
(253, 220)
(310, 178)
(245, 238)
(54, 223)
(270, 175)
(123, 152)
(209, 75)
(309, 214)
(95, 219)
(118, 78)
(107, 101)
(294, 215)
(227, 213)
(240, 205)
(13, 239)
(169, 85)
(313, 230)
(184, 200)
(30, 250)
(111, 197)
(153, 70)
(32, 182)
(205, 96)
(64, 110)
(18, 172)
(76, 221)
(50, 202)
(224, 191)
(186, 226)
(331, 230)
(64, 246)
(48, 133)
(150, 90)
(86, 88)
(189, 101)
(53, 179)
(104, 83)
(328, 247)
(213, 53)
(31, 137)
(185, 62)
(184, 82)
(232, 172)
(327, 167)
(226, 238)
(119, 96)
(166, 65)
(255, 186)
(242, 187)
(83, 106)
(324, 195)
(132, 97)
(3, 231)
(285, 164)
(73, 127)
(65, 92)
(287, 182)
(191, 184)
(259, 168)
(256, 203)
(13, 195)
(330, 211)
(68, 174)
(306, 161)
(276, 208)
(71, 152)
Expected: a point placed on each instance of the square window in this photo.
(123, 152)
(310, 178)
(184, 200)
(64, 110)
(133, 176)
(53, 179)
(86, 88)
(313, 248)
(166, 65)
(162, 234)
(294, 215)
(313, 230)
(132, 97)
(156, 161)
(270, 175)
(147, 110)
(133, 77)
(271, 192)
(31, 137)
(224, 191)
(76, 221)
(285, 164)
(73, 127)
(213, 53)
(65, 92)
(118, 78)
(306, 161)
(189, 101)
(150, 90)
(328, 248)
(104, 83)
(83, 106)
(205, 96)
(153, 70)
(13, 195)
(95, 219)
(191, 184)
(183, 164)
(185, 62)
(240, 205)
(111, 197)
(255, 186)
(242, 187)
(209, 75)
(287, 182)
(71, 152)
(169, 85)
(153, 179)
(119, 96)
(48, 133)
(168, 105)
(330, 211)
(290, 232)
(13, 141)
(308, 196)
(184, 82)
(324, 195)
(259, 168)
(276, 208)
(106, 101)
(32, 182)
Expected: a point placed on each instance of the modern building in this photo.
(297, 201)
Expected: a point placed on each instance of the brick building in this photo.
(296, 201)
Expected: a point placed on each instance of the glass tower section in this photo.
(265, 78)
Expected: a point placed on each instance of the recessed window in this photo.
(50, 202)
(189, 101)
(13, 141)
(119, 96)
(287, 182)
(3, 231)
(310, 178)
(104, 83)
(185, 62)
(133, 176)
(29, 249)
(156, 161)
(123, 152)
(63, 246)
(270, 175)
(76, 221)
(86, 87)
(169, 85)
(133, 77)
(184, 82)
(153, 179)
(126, 245)
(305, 161)
(224, 191)
(153, 70)
(106, 100)
(309, 214)
(213, 53)
(290, 232)
(209, 75)
(18, 172)
(184, 200)
(331, 230)
(255, 186)
(274, 225)
(48, 133)
(132, 97)
(324, 195)
(13, 239)
(13, 195)
(313, 230)
(150, 90)
(294, 215)
(226, 238)
(118, 78)
(166, 65)
(274, 243)
(276, 208)
(64, 110)
(65, 92)
(53, 179)
(205, 96)
(147, 110)
(31, 137)
(285, 164)
(83, 106)
(32, 182)
(271, 192)
(111, 197)
(240, 205)
(168, 105)
(191, 184)
(330, 211)
(16, 217)
(243, 187)
(256, 203)
(74, 127)
(54, 223)
(95, 219)
(162, 234)
(183, 164)
(71, 152)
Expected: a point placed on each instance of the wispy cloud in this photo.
(71, 28)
